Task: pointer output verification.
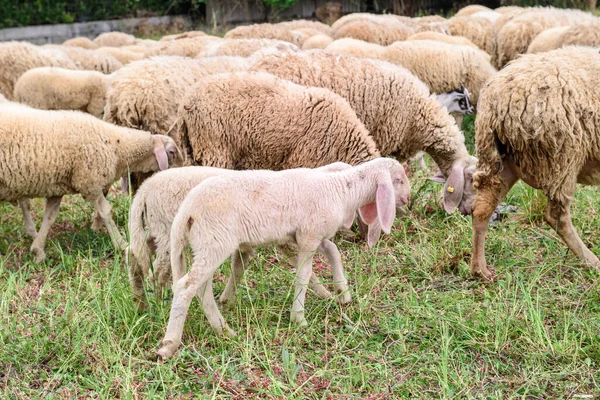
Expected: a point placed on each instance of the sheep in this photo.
(150, 218)
(471, 9)
(292, 31)
(239, 47)
(88, 59)
(83, 42)
(184, 35)
(459, 40)
(396, 108)
(114, 39)
(18, 57)
(146, 94)
(587, 34)
(270, 123)
(52, 88)
(355, 47)
(538, 121)
(317, 42)
(380, 18)
(301, 35)
(382, 33)
(517, 34)
(443, 67)
(288, 198)
(189, 47)
(477, 30)
(491, 16)
(53, 153)
(124, 56)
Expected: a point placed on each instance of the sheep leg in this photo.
(558, 216)
(103, 208)
(314, 282)
(487, 199)
(304, 270)
(340, 283)
(50, 214)
(239, 261)
(97, 222)
(213, 315)
(27, 220)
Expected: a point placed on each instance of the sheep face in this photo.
(165, 154)
(458, 190)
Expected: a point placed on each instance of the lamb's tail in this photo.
(138, 250)
(179, 234)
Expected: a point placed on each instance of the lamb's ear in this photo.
(439, 177)
(160, 154)
(386, 202)
(453, 189)
(368, 213)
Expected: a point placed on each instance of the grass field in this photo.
(418, 325)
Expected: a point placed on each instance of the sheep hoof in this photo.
(227, 299)
(298, 318)
(485, 275)
(97, 225)
(228, 332)
(345, 297)
(38, 254)
(167, 350)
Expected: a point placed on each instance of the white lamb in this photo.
(294, 207)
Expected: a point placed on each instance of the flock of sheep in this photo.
(281, 134)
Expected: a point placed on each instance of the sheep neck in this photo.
(131, 149)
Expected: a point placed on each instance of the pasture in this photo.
(418, 326)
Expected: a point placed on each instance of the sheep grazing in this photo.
(53, 153)
(52, 88)
(374, 31)
(280, 31)
(114, 39)
(150, 218)
(82, 42)
(91, 60)
(18, 57)
(443, 67)
(188, 47)
(239, 47)
(311, 204)
(587, 34)
(355, 47)
(319, 41)
(471, 9)
(395, 106)
(517, 34)
(124, 56)
(538, 121)
(440, 37)
(270, 124)
(478, 30)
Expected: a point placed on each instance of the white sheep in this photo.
(247, 209)
(150, 218)
(114, 39)
(87, 59)
(53, 153)
(125, 56)
(319, 41)
(52, 88)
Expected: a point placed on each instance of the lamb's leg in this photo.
(489, 195)
(305, 258)
(213, 315)
(136, 279)
(239, 262)
(314, 282)
(103, 208)
(558, 216)
(27, 220)
(340, 283)
(50, 214)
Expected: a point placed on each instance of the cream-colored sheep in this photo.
(355, 47)
(53, 153)
(587, 34)
(239, 47)
(443, 67)
(381, 18)
(538, 121)
(124, 56)
(492, 16)
(52, 88)
(471, 9)
(257, 121)
(301, 35)
(88, 59)
(18, 57)
(188, 47)
(80, 41)
(373, 31)
(262, 207)
(547, 40)
(114, 39)
(395, 106)
(150, 218)
(440, 37)
(317, 42)
(280, 31)
(477, 30)
(184, 35)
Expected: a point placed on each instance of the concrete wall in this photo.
(42, 34)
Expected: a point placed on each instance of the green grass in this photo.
(419, 326)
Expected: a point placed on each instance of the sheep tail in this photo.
(179, 232)
(138, 251)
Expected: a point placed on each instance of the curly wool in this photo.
(542, 112)
(443, 67)
(478, 30)
(440, 37)
(257, 121)
(395, 106)
(91, 60)
(293, 31)
(18, 57)
(188, 47)
(238, 47)
(374, 31)
(355, 47)
(52, 88)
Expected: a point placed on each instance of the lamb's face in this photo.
(401, 185)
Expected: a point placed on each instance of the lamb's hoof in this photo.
(167, 350)
(345, 297)
(298, 319)
(38, 254)
(485, 275)
(321, 291)
(227, 299)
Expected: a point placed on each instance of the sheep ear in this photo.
(386, 203)
(368, 213)
(439, 177)
(453, 189)
(161, 155)
(125, 184)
